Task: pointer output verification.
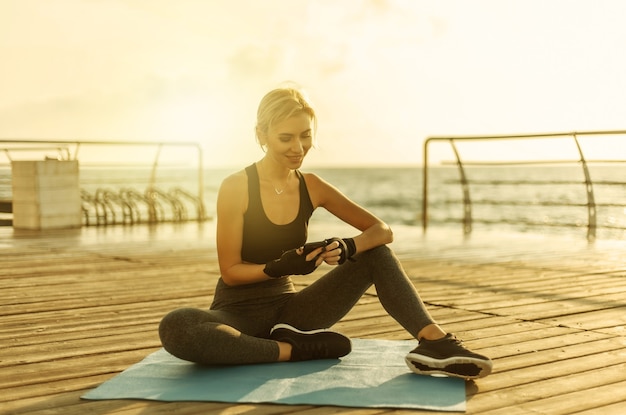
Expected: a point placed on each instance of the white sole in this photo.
(430, 366)
(291, 328)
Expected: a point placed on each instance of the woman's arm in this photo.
(374, 232)
(232, 202)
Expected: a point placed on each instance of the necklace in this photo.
(276, 189)
(280, 191)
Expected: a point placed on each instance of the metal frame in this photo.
(467, 202)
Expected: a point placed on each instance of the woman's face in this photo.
(290, 140)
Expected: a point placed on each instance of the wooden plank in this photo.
(75, 315)
(46, 371)
(616, 408)
(555, 387)
(512, 388)
(593, 398)
(601, 319)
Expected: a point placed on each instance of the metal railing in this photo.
(125, 205)
(467, 218)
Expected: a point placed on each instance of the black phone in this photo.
(312, 246)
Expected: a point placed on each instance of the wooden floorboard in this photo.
(79, 306)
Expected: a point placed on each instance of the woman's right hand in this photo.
(300, 261)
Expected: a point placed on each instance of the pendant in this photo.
(279, 192)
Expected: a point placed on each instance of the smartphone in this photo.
(312, 246)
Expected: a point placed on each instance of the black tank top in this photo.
(263, 240)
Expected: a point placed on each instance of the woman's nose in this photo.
(297, 146)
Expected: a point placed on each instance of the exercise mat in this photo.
(373, 375)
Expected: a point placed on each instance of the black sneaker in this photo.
(447, 356)
(314, 344)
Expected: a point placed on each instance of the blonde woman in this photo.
(263, 214)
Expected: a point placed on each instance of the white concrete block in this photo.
(46, 194)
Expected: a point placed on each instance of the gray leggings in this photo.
(235, 331)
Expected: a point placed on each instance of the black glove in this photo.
(347, 246)
(292, 263)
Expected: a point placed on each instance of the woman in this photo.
(262, 218)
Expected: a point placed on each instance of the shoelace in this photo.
(457, 341)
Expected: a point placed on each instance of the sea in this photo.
(550, 199)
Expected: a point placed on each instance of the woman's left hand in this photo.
(332, 253)
(338, 250)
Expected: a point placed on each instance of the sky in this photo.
(382, 74)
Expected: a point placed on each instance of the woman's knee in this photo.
(376, 254)
(378, 260)
(174, 325)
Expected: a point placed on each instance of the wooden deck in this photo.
(78, 307)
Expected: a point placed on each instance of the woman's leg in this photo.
(214, 337)
(327, 300)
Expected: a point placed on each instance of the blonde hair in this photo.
(279, 105)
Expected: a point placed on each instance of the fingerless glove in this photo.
(347, 246)
(291, 263)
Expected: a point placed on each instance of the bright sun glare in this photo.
(185, 119)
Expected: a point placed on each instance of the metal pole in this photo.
(591, 203)
(154, 165)
(425, 187)
(467, 202)
(202, 214)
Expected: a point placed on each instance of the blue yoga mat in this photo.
(372, 375)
